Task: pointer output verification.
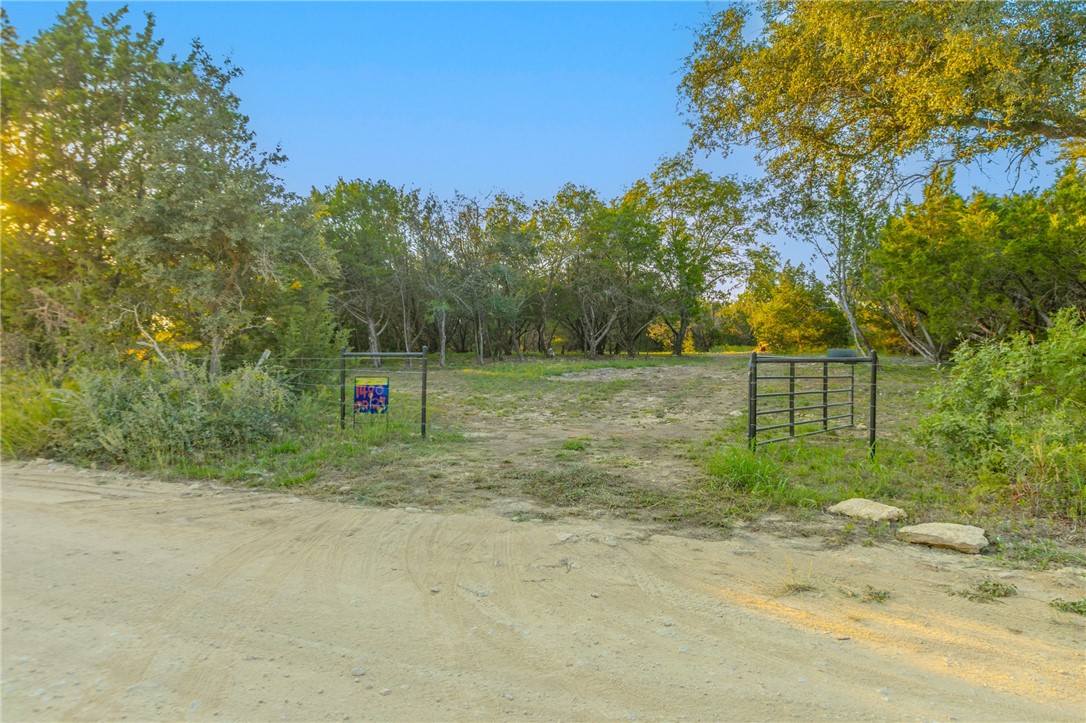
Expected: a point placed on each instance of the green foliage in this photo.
(32, 413)
(790, 310)
(951, 268)
(874, 595)
(1078, 607)
(988, 591)
(823, 89)
(706, 223)
(142, 415)
(136, 207)
(1013, 413)
(76, 99)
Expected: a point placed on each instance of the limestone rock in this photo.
(868, 510)
(963, 538)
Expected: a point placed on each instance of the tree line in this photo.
(141, 219)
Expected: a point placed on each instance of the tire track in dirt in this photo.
(255, 606)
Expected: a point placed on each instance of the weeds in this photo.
(988, 591)
(873, 595)
(679, 478)
(1077, 607)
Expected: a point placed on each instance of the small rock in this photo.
(358, 672)
(345, 488)
(507, 696)
(610, 542)
(435, 589)
(386, 691)
(868, 510)
(963, 538)
(567, 537)
(411, 509)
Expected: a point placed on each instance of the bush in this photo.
(31, 413)
(1014, 412)
(141, 415)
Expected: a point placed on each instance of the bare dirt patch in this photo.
(137, 599)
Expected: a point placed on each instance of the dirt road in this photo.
(142, 600)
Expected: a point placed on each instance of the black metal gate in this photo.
(833, 396)
(345, 355)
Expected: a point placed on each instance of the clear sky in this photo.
(470, 97)
(474, 97)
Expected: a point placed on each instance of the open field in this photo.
(655, 440)
(565, 545)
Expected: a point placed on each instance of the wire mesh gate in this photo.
(345, 355)
(836, 392)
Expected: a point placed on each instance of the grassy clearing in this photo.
(656, 439)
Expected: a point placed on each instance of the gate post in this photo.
(343, 388)
(752, 402)
(873, 392)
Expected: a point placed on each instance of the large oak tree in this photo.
(882, 89)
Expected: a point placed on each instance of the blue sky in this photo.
(471, 97)
(475, 97)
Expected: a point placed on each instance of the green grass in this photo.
(988, 591)
(1077, 607)
(714, 480)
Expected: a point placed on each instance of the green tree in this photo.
(437, 279)
(76, 104)
(630, 241)
(923, 268)
(212, 226)
(362, 222)
(136, 206)
(825, 88)
(705, 224)
(511, 250)
(950, 268)
(795, 313)
(843, 225)
(559, 223)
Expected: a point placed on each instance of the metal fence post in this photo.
(851, 394)
(825, 395)
(752, 402)
(343, 388)
(873, 392)
(424, 360)
(792, 399)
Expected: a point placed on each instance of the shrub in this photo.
(141, 415)
(31, 413)
(1014, 413)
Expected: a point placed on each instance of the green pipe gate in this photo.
(836, 392)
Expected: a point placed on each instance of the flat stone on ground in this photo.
(868, 510)
(963, 538)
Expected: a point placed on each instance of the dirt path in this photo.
(144, 600)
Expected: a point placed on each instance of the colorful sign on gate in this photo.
(371, 395)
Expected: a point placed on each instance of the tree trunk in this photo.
(375, 345)
(845, 297)
(216, 355)
(680, 335)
